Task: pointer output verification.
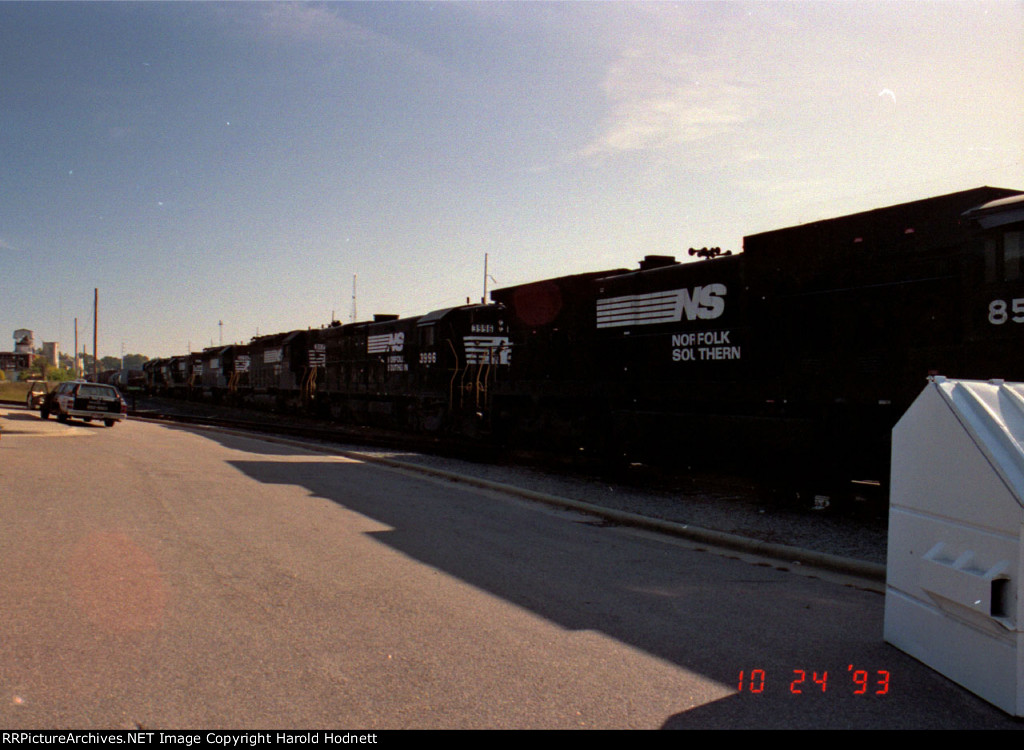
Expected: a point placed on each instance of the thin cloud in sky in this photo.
(316, 24)
(670, 86)
(326, 30)
(7, 247)
(659, 101)
(809, 87)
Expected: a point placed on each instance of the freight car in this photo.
(795, 357)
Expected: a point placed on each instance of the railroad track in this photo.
(307, 428)
(870, 495)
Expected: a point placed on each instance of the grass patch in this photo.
(16, 391)
(13, 391)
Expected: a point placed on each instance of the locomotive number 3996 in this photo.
(999, 311)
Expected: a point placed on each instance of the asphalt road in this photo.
(162, 577)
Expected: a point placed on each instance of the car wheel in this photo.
(44, 413)
(62, 418)
(109, 422)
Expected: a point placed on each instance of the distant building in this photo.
(21, 357)
(51, 350)
(24, 341)
(14, 361)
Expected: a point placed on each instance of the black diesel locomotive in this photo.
(432, 372)
(794, 357)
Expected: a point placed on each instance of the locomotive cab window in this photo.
(1004, 257)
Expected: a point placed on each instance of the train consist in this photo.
(431, 372)
(795, 356)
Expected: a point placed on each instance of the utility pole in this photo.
(487, 277)
(354, 276)
(483, 300)
(95, 335)
(78, 372)
(220, 325)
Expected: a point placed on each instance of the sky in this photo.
(221, 170)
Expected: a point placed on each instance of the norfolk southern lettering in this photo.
(703, 346)
(699, 303)
(706, 302)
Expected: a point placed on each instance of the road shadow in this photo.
(266, 445)
(24, 416)
(706, 612)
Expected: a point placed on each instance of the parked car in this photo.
(86, 401)
(37, 390)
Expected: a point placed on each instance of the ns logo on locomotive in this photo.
(795, 356)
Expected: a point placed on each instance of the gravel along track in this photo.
(719, 504)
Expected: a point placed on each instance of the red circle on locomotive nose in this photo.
(538, 304)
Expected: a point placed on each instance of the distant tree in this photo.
(131, 362)
(60, 374)
(135, 361)
(38, 368)
(41, 369)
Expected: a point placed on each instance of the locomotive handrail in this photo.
(308, 384)
(462, 385)
(478, 387)
(488, 372)
(455, 374)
